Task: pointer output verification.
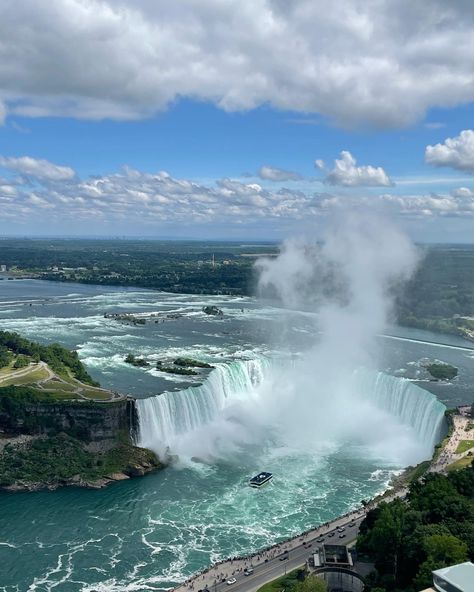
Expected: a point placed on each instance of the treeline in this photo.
(56, 356)
(433, 528)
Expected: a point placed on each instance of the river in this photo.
(153, 532)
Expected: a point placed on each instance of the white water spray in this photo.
(327, 397)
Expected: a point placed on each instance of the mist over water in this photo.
(315, 402)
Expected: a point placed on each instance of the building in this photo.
(457, 578)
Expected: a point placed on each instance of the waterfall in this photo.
(412, 405)
(165, 418)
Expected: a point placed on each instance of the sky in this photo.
(235, 119)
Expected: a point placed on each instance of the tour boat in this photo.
(261, 479)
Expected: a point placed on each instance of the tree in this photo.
(446, 549)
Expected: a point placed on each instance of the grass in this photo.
(32, 377)
(96, 394)
(62, 395)
(67, 388)
(411, 474)
(464, 446)
(54, 385)
(283, 583)
(462, 463)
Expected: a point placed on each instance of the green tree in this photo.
(386, 537)
(446, 549)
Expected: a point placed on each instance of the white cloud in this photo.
(275, 174)
(147, 201)
(42, 169)
(354, 61)
(346, 173)
(463, 193)
(319, 164)
(457, 152)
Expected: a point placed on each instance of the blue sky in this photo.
(157, 120)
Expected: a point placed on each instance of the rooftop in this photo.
(460, 576)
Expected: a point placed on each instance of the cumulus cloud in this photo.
(269, 173)
(42, 169)
(137, 199)
(457, 152)
(353, 61)
(463, 193)
(347, 173)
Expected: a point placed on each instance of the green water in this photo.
(150, 533)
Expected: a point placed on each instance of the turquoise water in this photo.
(150, 533)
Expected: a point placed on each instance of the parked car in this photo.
(248, 571)
(231, 581)
(284, 556)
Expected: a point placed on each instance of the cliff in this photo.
(48, 443)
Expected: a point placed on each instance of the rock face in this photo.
(96, 423)
(71, 443)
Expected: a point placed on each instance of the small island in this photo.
(442, 371)
(212, 310)
(181, 366)
(58, 426)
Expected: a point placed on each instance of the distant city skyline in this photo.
(236, 120)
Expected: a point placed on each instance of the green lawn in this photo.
(96, 394)
(462, 463)
(32, 377)
(56, 385)
(284, 583)
(464, 445)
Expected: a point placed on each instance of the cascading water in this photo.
(166, 420)
(411, 404)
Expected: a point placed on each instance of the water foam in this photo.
(241, 398)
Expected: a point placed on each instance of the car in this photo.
(231, 581)
(341, 536)
(320, 540)
(341, 529)
(284, 556)
(351, 524)
(248, 571)
(307, 545)
(331, 534)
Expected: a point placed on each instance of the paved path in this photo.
(448, 455)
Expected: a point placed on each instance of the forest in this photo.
(439, 296)
(431, 529)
